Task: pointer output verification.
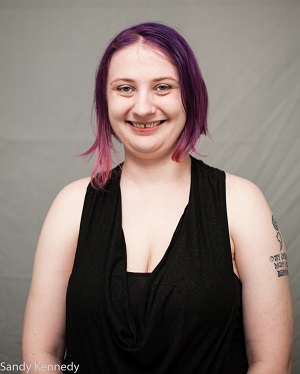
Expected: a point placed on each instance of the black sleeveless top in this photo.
(189, 316)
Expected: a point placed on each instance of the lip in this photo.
(146, 130)
(145, 124)
(136, 126)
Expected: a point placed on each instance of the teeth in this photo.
(147, 125)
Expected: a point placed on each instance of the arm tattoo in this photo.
(280, 259)
(279, 238)
(278, 235)
(274, 223)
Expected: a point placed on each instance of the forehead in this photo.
(141, 61)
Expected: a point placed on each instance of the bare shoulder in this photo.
(241, 188)
(69, 201)
(78, 185)
(58, 239)
(249, 219)
(244, 200)
(61, 227)
(254, 231)
(73, 192)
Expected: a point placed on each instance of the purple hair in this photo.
(193, 93)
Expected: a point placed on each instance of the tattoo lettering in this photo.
(274, 258)
(283, 272)
(280, 259)
(278, 235)
(280, 264)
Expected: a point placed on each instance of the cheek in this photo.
(176, 107)
(180, 113)
(117, 109)
(112, 110)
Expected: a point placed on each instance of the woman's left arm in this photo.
(261, 261)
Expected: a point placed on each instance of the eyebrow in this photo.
(154, 80)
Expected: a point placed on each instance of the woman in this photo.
(165, 264)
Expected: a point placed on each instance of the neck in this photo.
(154, 172)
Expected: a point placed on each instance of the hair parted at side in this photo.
(193, 93)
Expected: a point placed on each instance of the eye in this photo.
(163, 87)
(125, 89)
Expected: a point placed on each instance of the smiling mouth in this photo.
(147, 125)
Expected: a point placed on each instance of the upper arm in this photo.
(44, 322)
(261, 259)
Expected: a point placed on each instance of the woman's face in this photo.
(144, 102)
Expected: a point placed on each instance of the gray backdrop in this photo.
(49, 50)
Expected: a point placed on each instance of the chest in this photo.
(149, 220)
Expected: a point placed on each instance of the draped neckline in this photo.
(138, 333)
(174, 236)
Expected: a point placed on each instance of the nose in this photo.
(144, 104)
